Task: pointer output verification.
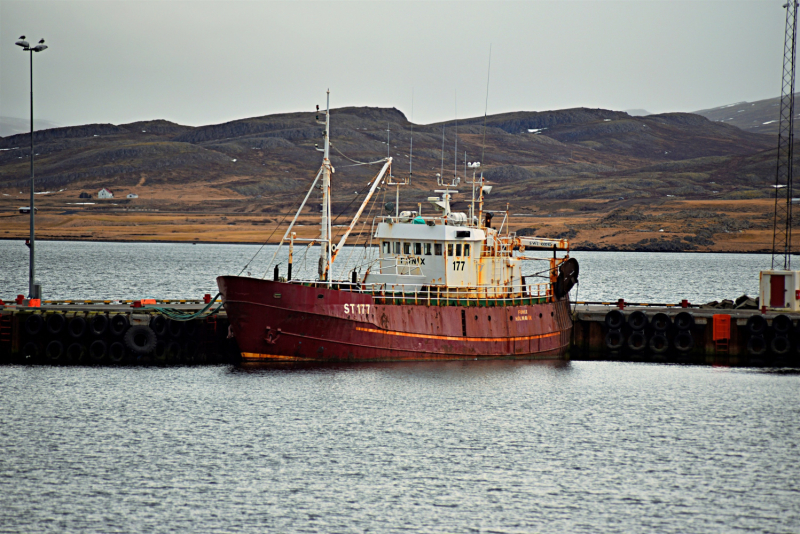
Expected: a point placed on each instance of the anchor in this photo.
(272, 337)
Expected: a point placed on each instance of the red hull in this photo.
(292, 322)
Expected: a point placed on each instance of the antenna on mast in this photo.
(455, 151)
(486, 109)
(782, 225)
(411, 150)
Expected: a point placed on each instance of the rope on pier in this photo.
(178, 315)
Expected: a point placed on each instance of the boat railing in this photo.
(463, 296)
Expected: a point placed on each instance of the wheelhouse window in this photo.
(466, 249)
(437, 249)
(449, 249)
(387, 247)
(418, 249)
(458, 249)
(427, 247)
(397, 247)
(406, 247)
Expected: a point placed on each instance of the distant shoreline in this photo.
(173, 242)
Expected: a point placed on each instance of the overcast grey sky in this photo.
(204, 62)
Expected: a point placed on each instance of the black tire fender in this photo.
(659, 344)
(780, 345)
(175, 328)
(97, 350)
(637, 320)
(684, 321)
(56, 323)
(782, 324)
(174, 352)
(54, 350)
(30, 351)
(118, 324)
(614, 340)
(615, 319)
(661, 322)
(637, 341)
(77, 327)
(116, 352)
(34, 324)
(99, 324)
(756, 325)
(756, 346)
(140, 340)
(684, 342)
(159, 325)
(74, 352)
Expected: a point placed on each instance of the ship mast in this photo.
(327, 170)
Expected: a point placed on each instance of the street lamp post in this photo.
(32, 290)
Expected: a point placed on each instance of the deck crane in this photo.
(780, 286)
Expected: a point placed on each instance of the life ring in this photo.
(118, 324)
(684, 321)
(782, 324)
(99, 324)
(615, 319)
(140, 340)
(77, 327)
(780, 345)
(159, 325)
(637, 320)
(116, 352)
(54, 350)
(175, 328)
(756, 346)
(661, 322)
(33, 324)
(659, 344)
(97, 350)
(637, 341)
(684, 342)
(756, 325)
(55, 323)
(614, 340)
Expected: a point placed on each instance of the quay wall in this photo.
(78, 333)
(685, 335)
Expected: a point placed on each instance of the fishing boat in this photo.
(443, 287)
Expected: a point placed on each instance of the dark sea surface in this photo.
(423, 447)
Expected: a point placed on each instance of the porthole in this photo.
(551, 314)
(490, 317)
(476, 317)
(540, 316)
(510, 317)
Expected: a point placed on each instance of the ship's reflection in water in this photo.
(500, 446)
(464, 368)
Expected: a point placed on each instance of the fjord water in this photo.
(428, 447)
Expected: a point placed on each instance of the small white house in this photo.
(133, 195)
(105, 193)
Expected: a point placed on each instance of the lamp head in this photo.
(39, 48)
(23, 43)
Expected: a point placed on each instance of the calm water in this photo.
(435, 447)
(454, 447)
(80, 270)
